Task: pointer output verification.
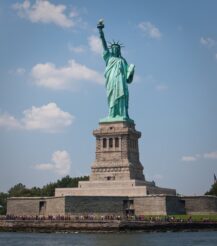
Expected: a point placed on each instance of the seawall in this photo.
(106, 225)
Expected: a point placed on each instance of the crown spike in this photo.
(115, 43)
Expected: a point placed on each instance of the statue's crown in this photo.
(111, 44)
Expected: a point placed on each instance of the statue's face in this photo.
(116, 50)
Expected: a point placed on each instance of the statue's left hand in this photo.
(130, 73)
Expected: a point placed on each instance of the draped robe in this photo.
(117, 74)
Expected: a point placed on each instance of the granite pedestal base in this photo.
(127, 188)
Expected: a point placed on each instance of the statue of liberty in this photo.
(118, 75)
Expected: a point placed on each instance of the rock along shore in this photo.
(100, 226)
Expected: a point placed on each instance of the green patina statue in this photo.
(118, 74)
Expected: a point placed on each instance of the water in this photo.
(109, 239)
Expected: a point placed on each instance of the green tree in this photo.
(213, 190)
(70, 182)
(49, 189)
(20, 190)
(3, 203)
(35, 191)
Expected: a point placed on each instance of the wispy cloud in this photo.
(211, 155)
(150, 30)
(95, 44)
(67, 77)
(60, 163)
(45, 12)
(20, 71)
(207, 41)
(191, 158)
(76, 49)
(47, 118)
(9, 122)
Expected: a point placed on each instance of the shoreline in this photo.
(49, 226)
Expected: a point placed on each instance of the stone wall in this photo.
(150, 205)
(200, 204)
(94, 205)
(46, 226)
(174, 205)
(109, 192)
(33, 206)
(55, 206)
(158, 205)
(111, 205)
(154, 190)
(23, 206)
(69, 205)
(58, 225)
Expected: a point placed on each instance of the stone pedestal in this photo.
(117, 153)
(117, 170)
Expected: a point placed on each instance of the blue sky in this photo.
(52, 92)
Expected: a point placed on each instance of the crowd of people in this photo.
(148, 219)
(61, 217)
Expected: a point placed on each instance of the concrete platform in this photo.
(119, 188)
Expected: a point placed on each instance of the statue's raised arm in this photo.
(100, 26)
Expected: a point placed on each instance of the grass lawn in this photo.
(182, 217)
(198, 217)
